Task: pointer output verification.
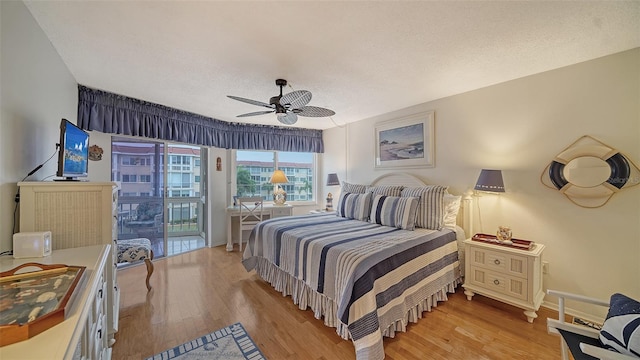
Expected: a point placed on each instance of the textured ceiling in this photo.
(360, 59)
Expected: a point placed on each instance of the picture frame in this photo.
(406, 142)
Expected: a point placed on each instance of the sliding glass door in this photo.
(184, 196)
(161, 193)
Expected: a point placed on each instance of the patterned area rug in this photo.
(230, 343)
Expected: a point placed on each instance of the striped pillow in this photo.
(354, 206)
(394, 211)
(353, 188)
(430, 207)
(387, 190)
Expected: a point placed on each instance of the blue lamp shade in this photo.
(332, 179)
(490, 180)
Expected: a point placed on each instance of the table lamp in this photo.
(332, 180)
(279, 195)
(489, 181)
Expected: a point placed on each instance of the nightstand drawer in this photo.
(281, 211)
(497, 261)
(508, 285)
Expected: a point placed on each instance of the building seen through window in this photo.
(254, 170)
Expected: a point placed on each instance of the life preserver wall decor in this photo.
(589, 172)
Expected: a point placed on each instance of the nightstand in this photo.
(510, 275)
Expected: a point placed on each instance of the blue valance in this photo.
(116, 114)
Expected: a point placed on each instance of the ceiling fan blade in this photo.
(314, 111)
(249, 101)
(296, 99)
(288, 118)
(256, 113)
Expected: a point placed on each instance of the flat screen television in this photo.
(73, 156)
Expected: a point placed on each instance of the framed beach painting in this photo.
(406, 142)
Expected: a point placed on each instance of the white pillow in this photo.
(451, 208)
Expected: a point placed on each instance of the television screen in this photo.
(73, 156)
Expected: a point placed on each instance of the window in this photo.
(254, 169)
(129, 178)
(132, 160)
(179, 180)
(145, 178)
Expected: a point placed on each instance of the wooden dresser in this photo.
(82, 334)
(77, 214)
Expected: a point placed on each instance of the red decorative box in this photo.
(516, 243)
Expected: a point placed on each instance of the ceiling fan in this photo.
(288, 106)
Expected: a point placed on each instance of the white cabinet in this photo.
(81, 335)
(77, 214)
(510, 275)
(280, 211)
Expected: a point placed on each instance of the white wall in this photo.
(37, 91)
(519, 126)
(218, 193)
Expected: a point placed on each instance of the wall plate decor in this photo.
(589, 172)
(406, 142)
(95, 153)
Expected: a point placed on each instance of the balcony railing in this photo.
(143, 217)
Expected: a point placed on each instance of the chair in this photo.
(250, 214)
(148, 217)
(582, 341)
(134, 250)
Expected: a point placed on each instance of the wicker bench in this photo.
(134, 250)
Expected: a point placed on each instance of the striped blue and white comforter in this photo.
(373, 274)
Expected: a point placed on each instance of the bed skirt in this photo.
(324, 307)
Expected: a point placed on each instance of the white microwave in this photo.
(31, 244)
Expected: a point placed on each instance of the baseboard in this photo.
(575, 313)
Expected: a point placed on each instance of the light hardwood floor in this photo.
(207, 289)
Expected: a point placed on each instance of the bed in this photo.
(366, 270)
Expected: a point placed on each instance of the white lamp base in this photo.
(279, 196)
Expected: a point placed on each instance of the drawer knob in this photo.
(496, 261)
(496, 281)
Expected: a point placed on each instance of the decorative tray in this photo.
(32, 302)
(516, 243)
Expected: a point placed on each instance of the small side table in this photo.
(506, 274)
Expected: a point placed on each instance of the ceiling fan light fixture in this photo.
(288, 106)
